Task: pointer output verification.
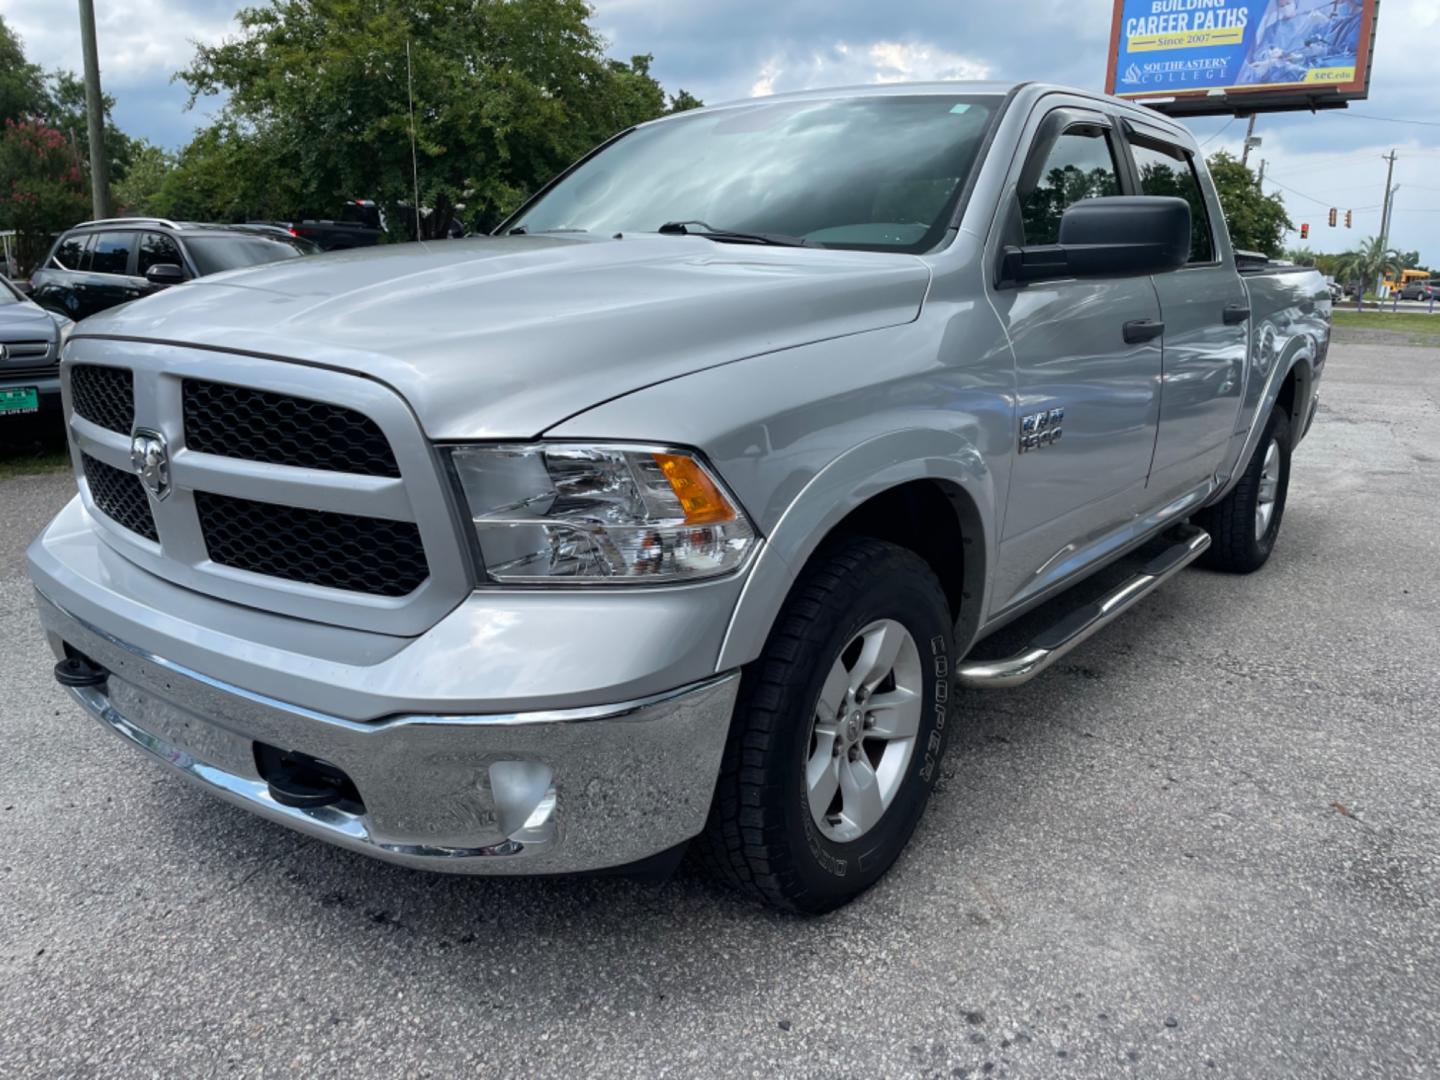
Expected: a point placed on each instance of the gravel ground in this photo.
(1205, 846)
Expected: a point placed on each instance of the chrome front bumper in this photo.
(542, 792)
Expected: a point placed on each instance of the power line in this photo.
(1217, 134)
(1388, 119)
(1287, 187)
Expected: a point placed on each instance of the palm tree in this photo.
(1301, 256)
(1367, 263)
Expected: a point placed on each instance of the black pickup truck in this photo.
(360, 225)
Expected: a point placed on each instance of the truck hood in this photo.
(505, 337)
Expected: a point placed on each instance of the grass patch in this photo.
(1421, 328)
(31, 462)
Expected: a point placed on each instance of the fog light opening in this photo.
(524, 797)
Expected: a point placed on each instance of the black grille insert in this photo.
(258, 425)
(120, 496)
(341, 551)
(104, 396)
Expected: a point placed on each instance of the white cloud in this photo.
(140, 41)
(764, 84)
(846, 63)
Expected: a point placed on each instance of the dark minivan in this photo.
(99, 264)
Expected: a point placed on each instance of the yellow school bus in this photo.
(1406, 277)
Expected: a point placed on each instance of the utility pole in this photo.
(1260, 183)
(1385, 205)
(1385, 215)
(1249, 141)
(94, 112)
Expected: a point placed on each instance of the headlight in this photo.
(65, 326)
(562, 513)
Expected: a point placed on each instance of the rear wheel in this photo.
(1244, 525)
(838, 732)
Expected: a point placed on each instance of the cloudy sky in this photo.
(728, 49)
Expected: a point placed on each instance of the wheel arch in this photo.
(926, 490)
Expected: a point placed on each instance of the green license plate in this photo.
(20, 399)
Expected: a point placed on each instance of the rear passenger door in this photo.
(60, 283)
(1075, 372)
(1206, 312)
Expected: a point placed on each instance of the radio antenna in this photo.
(414, 161)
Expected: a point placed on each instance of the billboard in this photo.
(1221, 56)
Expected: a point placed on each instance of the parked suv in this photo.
(30, 341)
(99, 264)
(1417, 290)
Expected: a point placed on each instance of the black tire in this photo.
(1236, 544)
(761, 837)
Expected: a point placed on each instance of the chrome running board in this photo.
(1059, 638)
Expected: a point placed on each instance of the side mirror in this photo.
(1116, 236)
(163, 274)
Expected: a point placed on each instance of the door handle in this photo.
(1138, 331)
(1235, 314)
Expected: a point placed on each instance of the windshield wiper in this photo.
(524, 230)
(731, 236)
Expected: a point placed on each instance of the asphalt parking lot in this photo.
(1206, 845)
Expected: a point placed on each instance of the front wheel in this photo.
(838, 731)
(1243, 526)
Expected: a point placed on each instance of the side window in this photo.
(1168, 170)
(155, 250)
(112, 253)
(1078, 165)
(70, 255)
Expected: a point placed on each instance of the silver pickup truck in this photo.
(678, 509)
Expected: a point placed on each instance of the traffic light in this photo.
(1333, 215)
(1305, 232)
(1349, 217)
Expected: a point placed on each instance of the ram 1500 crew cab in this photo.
(676, 510)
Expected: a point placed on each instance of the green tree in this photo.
(22, 84)
(1367, 263)
(506, 93)
(1301, 256)
(66, 111)
(139, 191)
(43, 188)
(1257, 222)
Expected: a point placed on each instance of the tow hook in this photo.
(302, 781)
(77, 672)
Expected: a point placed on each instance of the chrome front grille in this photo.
(338, 551)
(288, 488)
(104, 396)
(120, 497)
(27, 360)
(281, 429)
(31, 351)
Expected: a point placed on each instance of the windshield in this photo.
(213, 254)
(877, 173)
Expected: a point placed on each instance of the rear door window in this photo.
(70, 255)
(156, 250)
(112, 253)
(1078, 165)
(1168, 170)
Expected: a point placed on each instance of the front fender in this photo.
(875, 466)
